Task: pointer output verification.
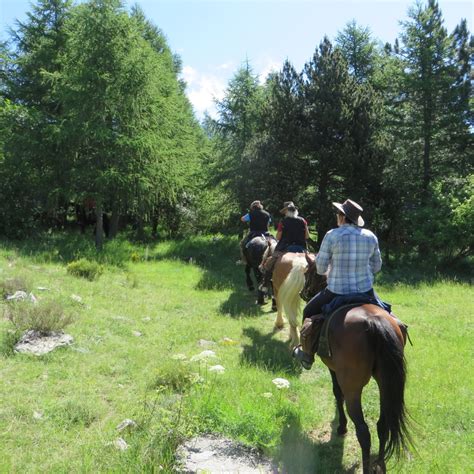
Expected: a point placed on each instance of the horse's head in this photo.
(313, 283)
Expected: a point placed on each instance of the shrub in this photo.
(85, 269)
(176, 377)
(11, 285)
(43, 317)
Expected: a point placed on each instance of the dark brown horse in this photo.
(366, 342)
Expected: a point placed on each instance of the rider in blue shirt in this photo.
(258, 220)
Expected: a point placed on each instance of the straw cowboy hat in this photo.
(351, 210)
(256, 205)
(288, 206)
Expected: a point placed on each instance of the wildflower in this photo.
(267, 395)
(218, 369)
(179, 357)
(204, 355)
(281, 383)
(229, 342)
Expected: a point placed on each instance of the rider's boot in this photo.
(310, 333)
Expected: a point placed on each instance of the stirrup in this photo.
(304, 359)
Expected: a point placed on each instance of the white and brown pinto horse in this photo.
(288, 281)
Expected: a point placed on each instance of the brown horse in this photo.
(288, 281)
(366, 342)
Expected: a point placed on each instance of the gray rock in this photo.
(38, 343)
(220, 455)
(127, 424)
(121, 444)
(19, 295)
(204, 343)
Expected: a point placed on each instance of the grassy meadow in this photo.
(143, 319)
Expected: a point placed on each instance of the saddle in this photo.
(315, 330)
(266, 236)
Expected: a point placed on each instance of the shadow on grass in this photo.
(268, 353)
(217, 257)
(300, 454)
(240, 303)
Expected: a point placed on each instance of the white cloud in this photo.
(267, 66)
(226, 66)
(203, 89)
(189, 74)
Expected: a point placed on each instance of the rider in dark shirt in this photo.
(258, 220)
(291, 235)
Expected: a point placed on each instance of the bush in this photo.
(11, 285)
(176, 377)
(85, 269)
(43, 317)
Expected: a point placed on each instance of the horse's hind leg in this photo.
(279, 323)
(248, 279)
(260, 294)
(342, 428)
(354, 408)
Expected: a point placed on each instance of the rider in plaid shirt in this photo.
(349, 255)
(352, 256)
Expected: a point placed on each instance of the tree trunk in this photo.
(114, 223)
(140, 226)
(322, 223)
(427, 132)
(154, 225)
(99, 227)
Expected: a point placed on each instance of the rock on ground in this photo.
(220, 455)
(38, 343)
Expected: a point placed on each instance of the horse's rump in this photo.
(254, 250)
(352, 328)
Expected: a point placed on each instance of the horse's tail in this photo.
(289, 292)
(390, 370)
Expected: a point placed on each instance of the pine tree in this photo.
(425, 52)
(359, 50)
(126, 115)
(236, 125)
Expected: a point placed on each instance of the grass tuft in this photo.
(9, 286)
(175, 376)
(44, 317)
(85, 269)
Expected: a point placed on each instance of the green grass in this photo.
(81, 393)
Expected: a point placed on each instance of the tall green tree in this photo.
(328, 114)
(30, 79)
(236, 125)
(425, 51)
(278, 144)
(359, 50)
(124, 113)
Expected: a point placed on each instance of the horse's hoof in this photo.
(278, 327)
(342, 430)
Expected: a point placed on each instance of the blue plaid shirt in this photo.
(352, 256)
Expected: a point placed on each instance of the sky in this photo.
(215, 38)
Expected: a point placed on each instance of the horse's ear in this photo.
(309, 260)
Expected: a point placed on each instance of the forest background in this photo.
(95, 127)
